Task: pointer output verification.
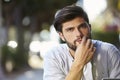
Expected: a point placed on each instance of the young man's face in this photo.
(74, 30)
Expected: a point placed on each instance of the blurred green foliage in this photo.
(111, 37)
(40, 13)
(13, 55)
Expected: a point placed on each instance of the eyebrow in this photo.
(82, 24)
(70, 27)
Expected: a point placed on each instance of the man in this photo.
(81, 58)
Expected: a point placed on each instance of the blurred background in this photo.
(26, 32)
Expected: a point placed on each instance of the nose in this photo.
(78, 33)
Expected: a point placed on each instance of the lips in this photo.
(78, 40)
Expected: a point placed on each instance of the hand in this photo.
(84, 51)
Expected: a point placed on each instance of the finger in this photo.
(94, 49)
(77, 44)
(91, 47)
(89, 42)
(84, 40)
(91, 54)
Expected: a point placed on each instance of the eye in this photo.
(84, 25)
(69, 29)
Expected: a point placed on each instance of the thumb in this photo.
(77, 44)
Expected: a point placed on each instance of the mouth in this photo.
(78, 40)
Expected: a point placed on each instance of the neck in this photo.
(72, 52)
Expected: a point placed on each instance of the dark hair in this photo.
(68, 13)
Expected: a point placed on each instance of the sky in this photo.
(94, 7)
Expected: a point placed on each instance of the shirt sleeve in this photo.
(52, 69)
(114, 62)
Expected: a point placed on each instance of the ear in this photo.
(61, 36)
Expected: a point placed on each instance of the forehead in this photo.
(73, 23)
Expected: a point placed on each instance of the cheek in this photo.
(86, 32)
(69, 38)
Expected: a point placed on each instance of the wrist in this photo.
(78, 66)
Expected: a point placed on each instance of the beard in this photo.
(73, 46)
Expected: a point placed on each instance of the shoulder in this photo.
(103, 45)
(106, 48)
(57, 51)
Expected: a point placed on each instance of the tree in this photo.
(39, 11)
